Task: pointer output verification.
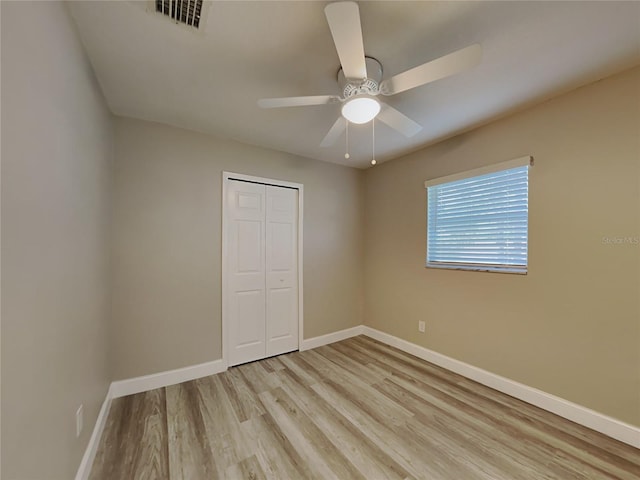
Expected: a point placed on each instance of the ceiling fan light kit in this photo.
(360, 106)
(361, 109)
(360, 78)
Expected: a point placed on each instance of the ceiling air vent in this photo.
(182, 11)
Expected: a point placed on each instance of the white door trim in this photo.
(226, 176)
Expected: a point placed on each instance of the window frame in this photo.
(477, 172)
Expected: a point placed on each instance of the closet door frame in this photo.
(226, 176)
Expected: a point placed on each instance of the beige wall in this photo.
(571, 327)
(167, 244)
(56, 183)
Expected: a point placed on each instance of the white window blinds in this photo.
(478, 220)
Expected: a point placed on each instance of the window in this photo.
(478, 220)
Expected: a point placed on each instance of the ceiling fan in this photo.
(360, 77)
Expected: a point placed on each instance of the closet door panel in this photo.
(281, 270)
(246, 250)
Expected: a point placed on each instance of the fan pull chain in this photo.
(346, 155)
(373, 142)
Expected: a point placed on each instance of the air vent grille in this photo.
(183, 11)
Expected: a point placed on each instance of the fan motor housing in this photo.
(367, 86)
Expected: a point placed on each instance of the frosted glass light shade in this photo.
(360, 110)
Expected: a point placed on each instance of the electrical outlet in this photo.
(79, 420)
(421, 326)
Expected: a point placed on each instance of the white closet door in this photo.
(281, 270)
(261, 236)
(246, 271)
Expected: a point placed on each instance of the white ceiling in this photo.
(209, 81)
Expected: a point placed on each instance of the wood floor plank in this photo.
(247, 469)
(372, 461)
(361, 392)
(274, 461)
(280, 451)
(138, 439)
(378, 432)
(484, 449)
(356, 409)
(230, 444)
(244, 401)
(272, 364)
(107, 459)
(359, 370)
(191, 454)
(303, 449)
(302, 369)
(311, 442)
(258, 379)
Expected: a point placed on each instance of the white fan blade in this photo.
(398, 121)
(434, 70)
(334, 132)
(297, 101)
(344, 23)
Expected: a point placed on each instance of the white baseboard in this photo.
(315, 342)
(90, 453)
(145, 383)
(599, 422)
(130, 386)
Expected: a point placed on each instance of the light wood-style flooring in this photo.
(356, 409)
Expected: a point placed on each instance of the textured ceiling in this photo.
(209, 81)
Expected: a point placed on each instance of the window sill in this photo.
(479, 268)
